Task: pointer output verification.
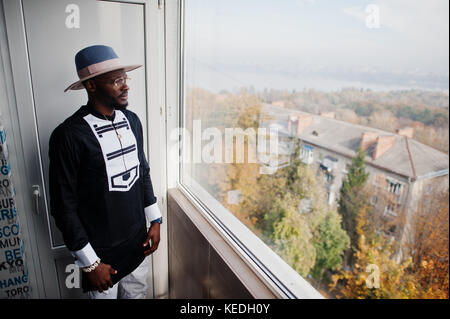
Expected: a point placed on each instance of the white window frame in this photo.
(306, 155)
(274, 271)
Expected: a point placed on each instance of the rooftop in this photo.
(407, 157)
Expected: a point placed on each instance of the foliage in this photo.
(310, 241)
(313, 240)
(333, 242)
(350, 200)
(396, 280)
(389, 111)
(428, 243)
(292, 237)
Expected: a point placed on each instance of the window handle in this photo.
(36, 195)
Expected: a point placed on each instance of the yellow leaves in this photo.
(395, 279)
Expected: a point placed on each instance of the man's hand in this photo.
(100, 277)
(153, 235)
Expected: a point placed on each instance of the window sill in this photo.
(281, 281)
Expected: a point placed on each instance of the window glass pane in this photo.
(306, 120)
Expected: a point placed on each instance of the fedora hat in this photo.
(96, 60)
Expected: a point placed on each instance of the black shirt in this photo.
(100, 185)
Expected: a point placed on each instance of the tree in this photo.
(270, 205)
(319, 243)
(375, 273)
(351, 199)
(428, 243)
(384, 120)
(347, 115)
(330, 246)
(292, 237)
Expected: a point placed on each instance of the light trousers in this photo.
(132, 286)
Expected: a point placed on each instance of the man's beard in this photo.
(120, 107)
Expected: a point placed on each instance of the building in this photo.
(401, 169)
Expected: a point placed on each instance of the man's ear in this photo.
(90, 85)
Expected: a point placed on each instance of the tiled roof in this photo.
(344, 138)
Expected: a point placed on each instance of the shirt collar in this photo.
(96, 113)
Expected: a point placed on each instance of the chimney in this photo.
(406, 131)
(331, 115)
(367, 139)
(304, 121)
(384, 144)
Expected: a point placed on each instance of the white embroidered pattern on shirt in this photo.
(119, 149)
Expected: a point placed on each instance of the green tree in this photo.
(351, 195)
(292, 238)
(330, 246)
(310, 240)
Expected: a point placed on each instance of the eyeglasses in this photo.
(121, 81)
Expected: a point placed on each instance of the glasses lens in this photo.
(121, 81)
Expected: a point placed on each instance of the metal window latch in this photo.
(36, 195)
(160, 4)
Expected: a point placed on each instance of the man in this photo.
(100, 189)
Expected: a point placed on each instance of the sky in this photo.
(324, 44)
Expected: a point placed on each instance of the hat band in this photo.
(98, 67)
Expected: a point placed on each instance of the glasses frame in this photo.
(122, 79)
(116, 82)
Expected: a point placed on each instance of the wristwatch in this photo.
(159, 220)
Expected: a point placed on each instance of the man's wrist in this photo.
(152, 212)
(92, 267)
(157, 221)
(85, 257)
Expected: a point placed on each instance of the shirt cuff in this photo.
(85, 256)
(152, 212)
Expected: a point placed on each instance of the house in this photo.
(401, 169)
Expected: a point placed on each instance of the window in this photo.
(394, 187)
(389, 211)
(306, 154)
(329, 163)
(251, 69)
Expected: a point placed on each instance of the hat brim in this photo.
(78, 85)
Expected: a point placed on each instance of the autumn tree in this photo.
(428, 243)
(384, 120)
(376, 274)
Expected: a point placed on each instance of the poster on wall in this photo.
(13, 271)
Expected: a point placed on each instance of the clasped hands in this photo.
(100, 277)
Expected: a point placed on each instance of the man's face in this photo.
(110, 90)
